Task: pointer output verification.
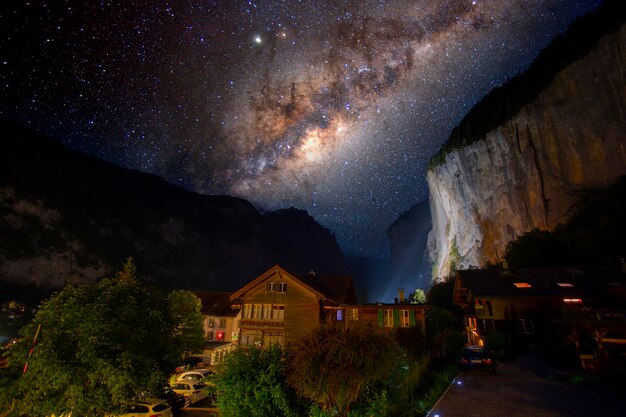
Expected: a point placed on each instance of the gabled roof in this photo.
(216, 303)
(337, 289)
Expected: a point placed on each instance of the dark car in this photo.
(477, 357)
(175, 400)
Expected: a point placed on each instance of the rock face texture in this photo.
(408, 235)
(524, 172)
(69, 218)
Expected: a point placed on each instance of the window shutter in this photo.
(381, 323)
(396, 318)
(412, 318)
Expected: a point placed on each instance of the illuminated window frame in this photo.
(522, 285)
(404, 318)
(388, 318)
(278, 313)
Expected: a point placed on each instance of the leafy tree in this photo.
(418, 297)
(443, 331)
(440, 294)
(97, 347)
(536, 248)
(251, 382)
(186, 311)
(333, 364)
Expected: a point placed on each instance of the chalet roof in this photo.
(216, 303)
(542, 282)
(338, 289)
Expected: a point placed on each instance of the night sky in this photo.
(334, 107)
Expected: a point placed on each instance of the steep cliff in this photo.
(408, 235)
(498, 178)
(70, 218)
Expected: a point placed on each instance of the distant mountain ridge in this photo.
(70, 218)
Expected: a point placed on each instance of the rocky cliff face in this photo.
(70, 218)
(409, 266)
(522, 174)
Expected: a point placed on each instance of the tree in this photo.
(443, 331)
(333, 364)
(251, 383)
(418, 297)
(186, 311)
(97, 347)
(536, 248)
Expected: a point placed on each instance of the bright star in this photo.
(258, 39)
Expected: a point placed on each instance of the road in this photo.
(522, 389)
(204, 408)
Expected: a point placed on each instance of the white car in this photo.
(152, 407)
(193, 391)
(195, 375)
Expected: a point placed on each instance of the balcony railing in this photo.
(262, 323)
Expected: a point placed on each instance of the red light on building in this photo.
(219, 336)
(572, 300)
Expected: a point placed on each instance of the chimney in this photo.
(401, 295)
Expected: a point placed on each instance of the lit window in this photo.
(339, 315)
(388, 318)
(247, 311)
(522, 285)
(271, 286)
(564, 284)
(282, 287)
(572, 300)
(404, 318)
(257, 311)
(354, 314)
(267, 311)
(279, 313)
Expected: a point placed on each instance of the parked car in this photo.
(195, 374)
(174, 399)
(152, 407)
(192, 391)
(477, 357)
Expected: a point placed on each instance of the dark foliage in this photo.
(593, 236)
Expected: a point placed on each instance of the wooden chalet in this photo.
(587, 305)
(280, 307)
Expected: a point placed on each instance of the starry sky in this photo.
(334, 107)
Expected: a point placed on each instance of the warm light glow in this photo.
(564, 284)
(522, 284)
(572, 300)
